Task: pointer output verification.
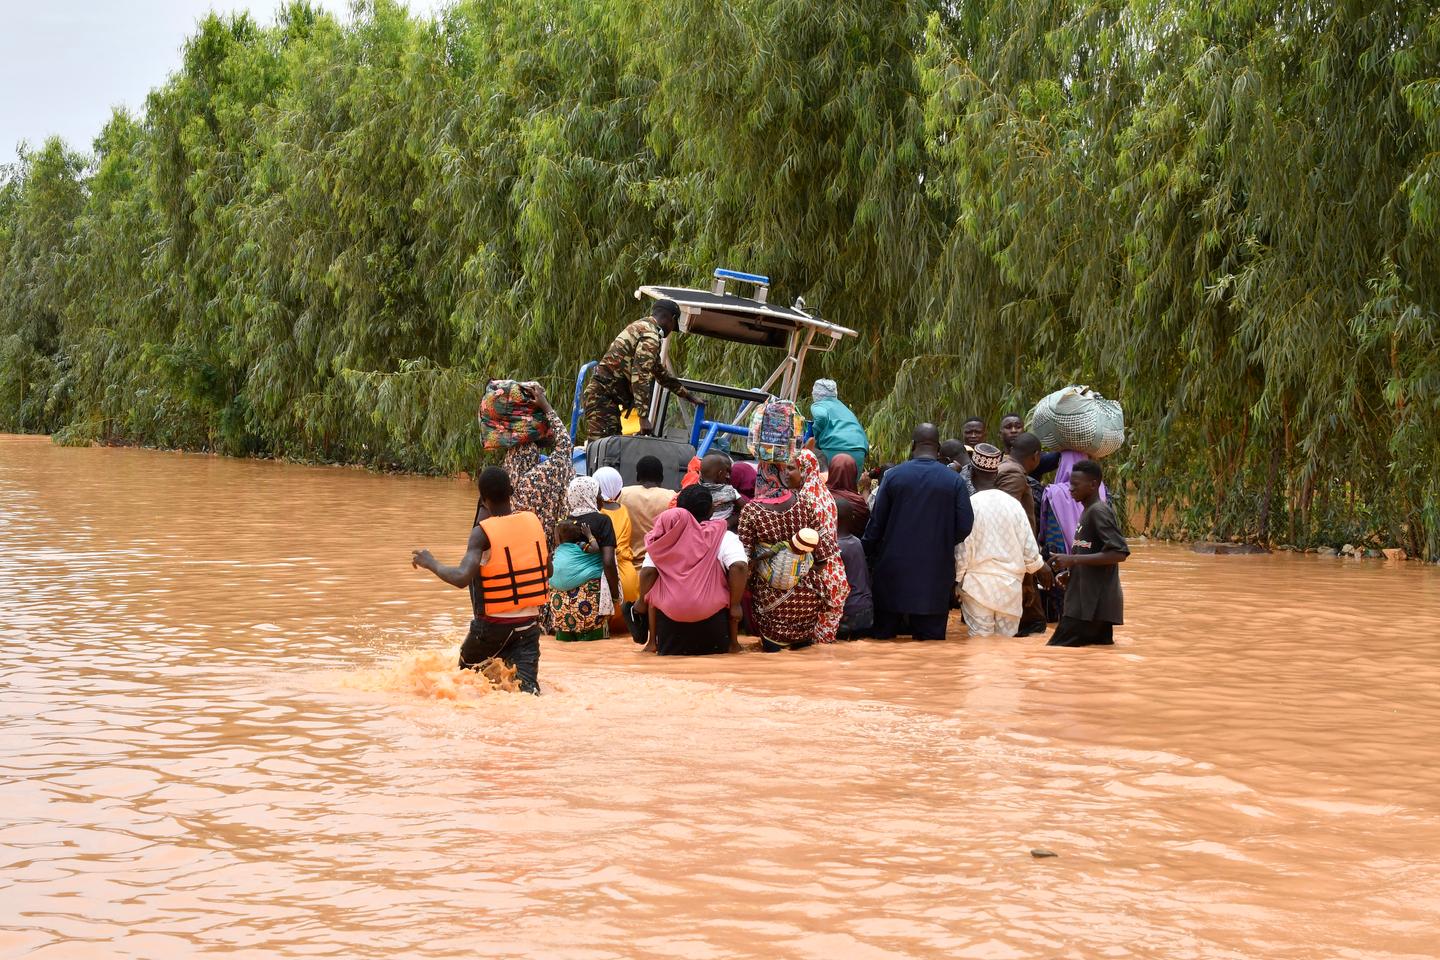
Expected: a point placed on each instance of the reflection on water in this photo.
(231, 726)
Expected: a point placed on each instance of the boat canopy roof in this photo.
(727, 316)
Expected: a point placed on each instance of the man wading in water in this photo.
(505, 566)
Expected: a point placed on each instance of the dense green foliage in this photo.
(320, 238)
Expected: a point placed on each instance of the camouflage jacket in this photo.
(632, 365)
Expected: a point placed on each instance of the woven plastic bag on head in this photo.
(510, 415)
(774, 431)
(1078, 418)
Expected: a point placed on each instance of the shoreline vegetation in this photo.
(320, 237)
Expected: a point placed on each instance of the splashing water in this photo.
(433, 675)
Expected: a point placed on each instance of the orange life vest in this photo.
(514, 576)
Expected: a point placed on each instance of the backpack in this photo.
(774, 430)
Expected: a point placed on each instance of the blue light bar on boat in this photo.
(723, 274)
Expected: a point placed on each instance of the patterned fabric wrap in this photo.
(576, 613)
(773, 431)
(509, 416)
(780, 567)
(1078, 418)
(834, 587)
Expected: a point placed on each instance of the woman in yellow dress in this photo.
(610, 484)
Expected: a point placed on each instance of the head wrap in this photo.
(742, 477)
(844, 483)
(986, 458)
(825, 390)
(692, 473)
(610, 482)
(844, 474)
(582, 496)
(691, 584)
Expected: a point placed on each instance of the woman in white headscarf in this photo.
(610, 505)
(582, 612)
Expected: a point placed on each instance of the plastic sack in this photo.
(774, 430)
(510, 415)
(1078, 418)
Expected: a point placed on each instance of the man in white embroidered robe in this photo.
(991, 564)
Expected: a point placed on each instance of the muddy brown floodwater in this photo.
(230, 728)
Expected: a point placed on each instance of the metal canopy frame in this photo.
(720, 315)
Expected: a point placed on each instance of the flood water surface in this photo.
(230, 727)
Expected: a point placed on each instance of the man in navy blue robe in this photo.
(921, 512)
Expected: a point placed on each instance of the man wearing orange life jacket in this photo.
(505, 567)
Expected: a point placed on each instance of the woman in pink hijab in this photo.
(692, 580)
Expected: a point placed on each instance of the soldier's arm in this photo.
(644, 360)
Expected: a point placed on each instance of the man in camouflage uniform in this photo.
(627, 374)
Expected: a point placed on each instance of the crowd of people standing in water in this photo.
(809, 549)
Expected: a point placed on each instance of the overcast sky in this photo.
(65, 63)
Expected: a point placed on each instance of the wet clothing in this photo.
(625, 378)
(603, 530)
(1059, 514)
(921, 512)
(576, 613)
(515, 643)
(711, 633)
(624, 551)
(1094, 592)
(890, 625)
(837, 430)
(1082, 633)
(674, 638)
(991, 564)
(785, 618)
(1012, 479)
(859, 615)
(691, 583)
(834, 588)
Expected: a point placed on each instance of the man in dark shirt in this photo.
(921, 512)
(1093, 601)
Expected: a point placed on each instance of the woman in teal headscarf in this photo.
(836, 429)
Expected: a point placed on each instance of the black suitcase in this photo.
(623, 453)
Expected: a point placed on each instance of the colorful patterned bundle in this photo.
(509, 416)
(773, 431)
(781, 566)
